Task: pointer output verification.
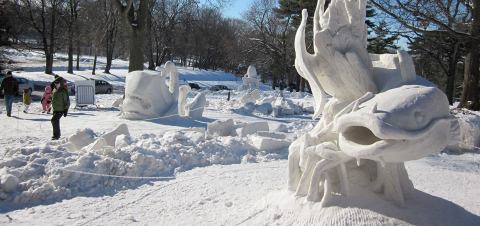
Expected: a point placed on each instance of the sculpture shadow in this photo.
(6, 207)
(420, 209)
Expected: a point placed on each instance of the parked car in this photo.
(103, 87)
(71, 88)
(219, 87)
(194, 85)
(23, 84)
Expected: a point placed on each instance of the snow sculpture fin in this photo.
(302, 60)
(182, 99)
(171, 71)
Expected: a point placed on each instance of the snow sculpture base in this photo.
(284, 208)
(379, 116)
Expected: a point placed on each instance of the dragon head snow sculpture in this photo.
(380, 113)
(147, 93)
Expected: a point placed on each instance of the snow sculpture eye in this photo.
(419, 117)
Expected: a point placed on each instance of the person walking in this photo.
(10, 88)
(27, 100)
(47, 99)
(60, 105)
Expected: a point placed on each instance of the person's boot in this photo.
(9, 115)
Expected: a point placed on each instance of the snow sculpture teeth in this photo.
(374, 120)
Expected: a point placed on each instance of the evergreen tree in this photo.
(383, 40)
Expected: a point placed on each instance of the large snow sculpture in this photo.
(380, 113)
(251, 80)
(148, 94)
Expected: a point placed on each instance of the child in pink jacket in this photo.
(47, 99)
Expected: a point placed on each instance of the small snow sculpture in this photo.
(251, 80)
(182, 99)
(149, 94)
(194, 109)
(380, 114)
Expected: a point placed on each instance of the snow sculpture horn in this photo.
(373, 122)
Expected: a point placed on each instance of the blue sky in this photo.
(235, 8)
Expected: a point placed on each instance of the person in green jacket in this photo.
(60, 105)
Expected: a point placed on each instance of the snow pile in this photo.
(88, 162)
(469, 122)
(283, 106)
(270, 103)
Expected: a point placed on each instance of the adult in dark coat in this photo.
(10, 88)
(60, 105)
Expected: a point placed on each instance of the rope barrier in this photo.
(99, 174)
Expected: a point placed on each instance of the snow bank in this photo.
(89, 162)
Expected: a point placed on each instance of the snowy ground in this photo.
(214, 181)
(232, 195)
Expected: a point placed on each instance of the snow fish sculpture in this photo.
(149, 94)
(380, 113)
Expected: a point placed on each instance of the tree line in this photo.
(443, 36)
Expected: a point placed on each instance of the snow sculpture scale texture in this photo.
(148, 94)
(380, 113)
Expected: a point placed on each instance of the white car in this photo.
(23, 84)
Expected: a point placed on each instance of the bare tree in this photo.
(43, 17)
(459, 19)
(71, 20)
(110, 18)
(273, 39)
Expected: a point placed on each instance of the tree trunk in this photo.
(78, 54)
(48, 63)
(452, 70)
(470, 91)
(77, 30)
(157, 54)
(136, 46)
(70, 51)
(109, 54)
(50, 50)
(148, 30)
(94, 61)
(70, 23)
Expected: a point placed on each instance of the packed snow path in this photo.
(231, 195)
